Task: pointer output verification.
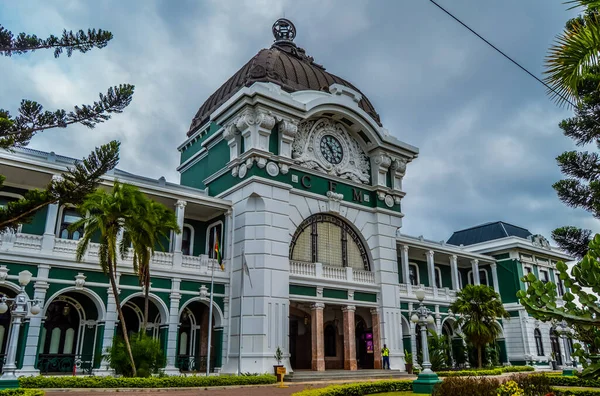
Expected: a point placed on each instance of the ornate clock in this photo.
(331, 149)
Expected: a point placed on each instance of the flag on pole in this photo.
(247, 271)
(218, 250)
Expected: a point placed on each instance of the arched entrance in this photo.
(133, 312)
(364, 343)
(300, 339)
(554, 343)
(192, 344)
(69, 334)
(5, 324)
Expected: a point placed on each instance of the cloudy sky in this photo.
(487, 132)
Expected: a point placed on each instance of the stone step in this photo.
(307, 376)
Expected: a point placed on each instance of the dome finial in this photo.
(284, 30)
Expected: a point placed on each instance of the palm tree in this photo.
(575, 53)
(107, 213)
(154, 222)
(477, 308)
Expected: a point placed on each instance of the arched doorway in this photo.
(133, 312)
(68, 337)
(5, 324)
(554, 343)
(192, 338)
(364, 343)
(300, 339)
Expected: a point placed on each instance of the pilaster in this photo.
(377, 362)
(475, 270)
(349, 338)
(317, 339)
(380, 163)
(174, 299)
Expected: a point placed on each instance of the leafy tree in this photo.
(17, 131)
(154, 224)
(583, 282)
(439, 350)
(107, 213)
(147, 355)
(477, 308)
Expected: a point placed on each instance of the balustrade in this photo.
(28, 241)
(64, 363)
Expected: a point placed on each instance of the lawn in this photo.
(400, 394)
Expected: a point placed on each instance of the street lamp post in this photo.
(422, 316)
(18, 311)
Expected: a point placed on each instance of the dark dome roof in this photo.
(283, 64)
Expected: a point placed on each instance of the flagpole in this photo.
(210, 308)
(241, 316)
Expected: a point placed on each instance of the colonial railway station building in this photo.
(290, 166)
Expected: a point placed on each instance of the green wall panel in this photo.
(37, 224)
(335, 293)
(360, 296)
(446, 275)
(195, 286)
(215, 160)
(303, 290)
(423, 275)
(197, 145)
(69, 274)
(508, 280)
(15, 268)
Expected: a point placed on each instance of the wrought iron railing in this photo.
(65, 363)
(194, 363)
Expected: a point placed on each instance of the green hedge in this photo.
(21, 392)
(477, 373)
(573, 381)
(151, 382)
(359, 389)
(575, 392)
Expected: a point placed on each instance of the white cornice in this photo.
(513, 242)
(442, 247)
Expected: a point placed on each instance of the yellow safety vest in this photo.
(385, 352)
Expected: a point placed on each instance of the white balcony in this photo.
(66, 248)
(320, 271)
(431, 293)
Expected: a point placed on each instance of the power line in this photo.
(503, 54)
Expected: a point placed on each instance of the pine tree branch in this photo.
(72, 188)
(573, 240)
(69, 41)
(19, 130)
(580, 165)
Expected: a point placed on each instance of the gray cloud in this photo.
(487, 133)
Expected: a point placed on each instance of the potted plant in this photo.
(279, 357)
(408, 361)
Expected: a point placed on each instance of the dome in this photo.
(283, 64)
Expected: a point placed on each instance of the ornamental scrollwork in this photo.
(307, 153)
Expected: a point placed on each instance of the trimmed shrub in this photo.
(469, 373)
(21, 392)
(532, 384)
(460, 386)
(146, 352)
(516, 369)
(359, 389)
(150, 382)
(558, 380)
(575, 392)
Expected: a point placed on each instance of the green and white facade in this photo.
(290, 166)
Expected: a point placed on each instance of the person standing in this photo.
(385, 353)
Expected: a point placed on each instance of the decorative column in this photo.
(50, 227)
(405, 269)
(377, 362)
(380, 162)
(287, 132)
(431, 268)
(475, 269)
(495, 277)
(454, 272)
(255, 125)
(398, 169)
(349, 338)
(35, 323)
(180, 214)
(110, 324)
(318, 341)
(174, 298)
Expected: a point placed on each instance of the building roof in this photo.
(487, 232)
(284, 64)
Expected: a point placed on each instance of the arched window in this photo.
(413, 274)
(330, 347)
(214, 230)
(539, 345)
(483, 277)
(328, 240)
(438, 277)
(69, 216)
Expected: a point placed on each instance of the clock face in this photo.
(331, 149)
